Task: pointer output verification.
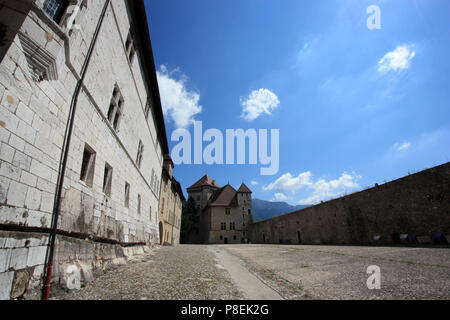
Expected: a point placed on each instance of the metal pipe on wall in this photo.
(63, 160)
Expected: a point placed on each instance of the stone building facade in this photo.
(110, 195)
(413, 209)
(225, 214)
(170, 205)
(201, 191)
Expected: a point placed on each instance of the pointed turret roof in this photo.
(244, 189)
(204, 181)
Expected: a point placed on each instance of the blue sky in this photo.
(353, 106)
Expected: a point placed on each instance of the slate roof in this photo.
(205, 181)
(243, 188)
(224, 197)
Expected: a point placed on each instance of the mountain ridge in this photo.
(263, 209)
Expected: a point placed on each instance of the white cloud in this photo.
(280, 197)
(310, 200)
(327, 189)
(253, 182)
(258, 102)
(402, 147)
(398, 59)
(179, 104)
(321, 189)
(288, 183)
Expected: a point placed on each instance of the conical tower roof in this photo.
(244, 189)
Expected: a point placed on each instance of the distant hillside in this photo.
(263, 209)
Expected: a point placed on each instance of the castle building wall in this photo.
(33, 117)
(417, 204)
(216, 216)
(170, 209)
(201, 197)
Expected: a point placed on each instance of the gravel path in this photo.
(185, 272)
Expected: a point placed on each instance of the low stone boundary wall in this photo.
(412, 209)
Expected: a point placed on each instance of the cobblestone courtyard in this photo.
(274, 272)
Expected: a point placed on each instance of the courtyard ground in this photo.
(228, 272)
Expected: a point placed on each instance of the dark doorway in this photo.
(395, 238)
(299, 237)
(264, 238)
(161, 239)
(225, 240)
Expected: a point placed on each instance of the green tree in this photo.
(189, 220)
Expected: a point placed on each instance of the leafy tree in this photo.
(189, 220)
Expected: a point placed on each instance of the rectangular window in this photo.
(162, 206)
(55, 9)
(115, 110)
(129, 46)
(232, 226)
(88, 166)
(223, 226)
(107, 180)
(152, 183)
(139, 154)
(139, 204)
(227, 210)
(148, 106)
(127, 195)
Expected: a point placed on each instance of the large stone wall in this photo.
(417, 204)
(33, 117)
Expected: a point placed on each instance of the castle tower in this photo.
(201, 192)
(244, 197)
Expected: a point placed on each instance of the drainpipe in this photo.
(63, 161)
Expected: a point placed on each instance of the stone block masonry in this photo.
(417, 205)
(22, 258)
(39, 70)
